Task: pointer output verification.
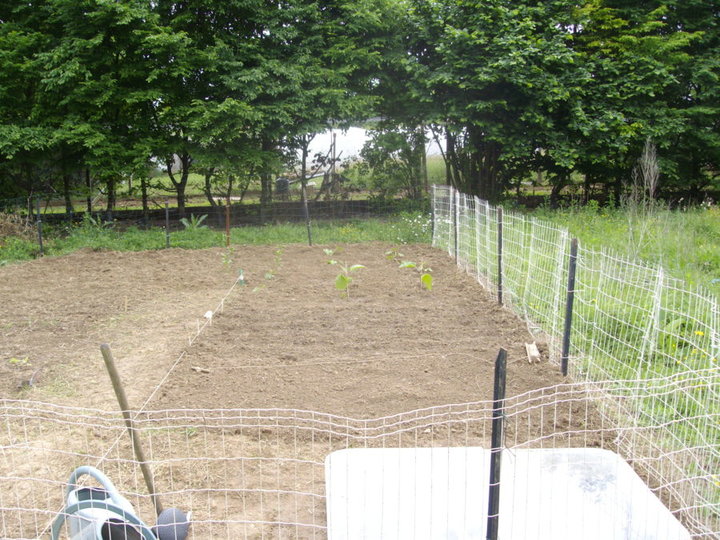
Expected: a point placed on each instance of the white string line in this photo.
(208, 321)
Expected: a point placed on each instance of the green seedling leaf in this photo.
(342, 282)
(355, 267)
(427, 281)
(19, 361)
(408, 264)
(332, 261)
(269, 275)
(328, 252)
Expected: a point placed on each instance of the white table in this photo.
(438, 493)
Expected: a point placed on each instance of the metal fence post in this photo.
(167, 224)
(39, 226)
(569, 306)
(500, 250)
(455, 211)
(496, 445)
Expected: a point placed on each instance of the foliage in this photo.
(60, 241)
(194, 223)
(393, 159)
(91, 91)
(93, 94)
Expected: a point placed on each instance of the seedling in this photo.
(343, 279)
(426, 279)
(227, 257)
(19, 361)
(270, 274)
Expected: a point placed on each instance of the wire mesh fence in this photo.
(252, 473)
(636, 333)
(52, 209)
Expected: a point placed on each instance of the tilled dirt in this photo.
(287, 338)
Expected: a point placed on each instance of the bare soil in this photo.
(287, 338)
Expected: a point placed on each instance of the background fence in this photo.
(647, 341)
(50, 209)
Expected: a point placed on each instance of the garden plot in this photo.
(238, 423)
(290, 339)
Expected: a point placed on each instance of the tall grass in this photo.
(685, 242)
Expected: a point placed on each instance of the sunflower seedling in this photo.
(343, 279)
(426, 279)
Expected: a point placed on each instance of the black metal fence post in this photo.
(500, 253)
(39, 226)
(167, 224)
(496, 444)
(569, 307)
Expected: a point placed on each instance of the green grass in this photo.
(686, 243)
(403, 228)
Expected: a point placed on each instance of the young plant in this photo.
(343, 279)
(426, 279)
(194, 223)
(228, 256)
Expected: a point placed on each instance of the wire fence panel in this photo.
(250, 473)
(648, 341)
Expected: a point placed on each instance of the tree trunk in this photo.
(111, 186)
(587, 182)
(484, 178)
(419, 173)
(181, 183)
(423, 165)
(303, 187)
(207, 187)
(450, 153)
(69, 210)
(560, 182)
(88, 184)
(145, 208)
(266, 194)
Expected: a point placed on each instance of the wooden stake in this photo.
(134, 436)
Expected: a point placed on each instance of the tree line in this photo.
(93, 92)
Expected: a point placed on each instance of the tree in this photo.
(501, 72)
(25, 143)
(633, 55)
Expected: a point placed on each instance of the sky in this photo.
(350, 143)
